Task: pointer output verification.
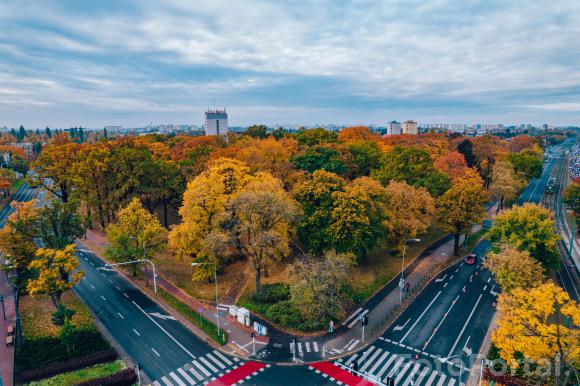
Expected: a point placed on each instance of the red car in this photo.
(470, 259)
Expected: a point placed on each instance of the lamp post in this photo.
(217, 313)
(135, 262)
(402, 279)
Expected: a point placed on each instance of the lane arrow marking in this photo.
(161, 316)
(399, 328)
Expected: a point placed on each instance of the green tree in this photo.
(356, 219)
(316, 197)
(48, 132)
(363, 156)
(527, 163)
(528, 228)
(59, 224)
(313, 137)
(318, 287)
(164, 188)
(257, 131)
(320, 158)
(572, 198)
(414, 166)
(462, 205)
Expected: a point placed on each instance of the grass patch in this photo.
(194, 317)
(16, 184)
(75, 377)
(42, 344)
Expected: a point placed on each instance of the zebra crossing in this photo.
(200, 371)
(379, 364)
(351, 321)
(304, 347)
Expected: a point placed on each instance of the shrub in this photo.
(61, 315)
(55, 368)
(272, 293)
(126, 377)
(39, 352)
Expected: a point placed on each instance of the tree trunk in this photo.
(55, 297)
(165, 221)
(456, 244)
(258, 283)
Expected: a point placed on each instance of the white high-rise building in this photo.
(410, 127)
(216, 122)
(394, 128)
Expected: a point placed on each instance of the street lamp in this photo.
(402, 279)
(136, 262)
(217, 313)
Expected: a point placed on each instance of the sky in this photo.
(93, 63)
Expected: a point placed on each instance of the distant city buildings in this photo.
(410, 127)
(113, 128)
(216, 122)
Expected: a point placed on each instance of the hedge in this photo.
(505, 379)
(126, 377)
(60, 367)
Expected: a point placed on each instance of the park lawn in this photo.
(35, 315)
(179, 272)
(75, 377)
(42, 344)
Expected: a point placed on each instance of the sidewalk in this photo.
(240, 341)
(6, 353)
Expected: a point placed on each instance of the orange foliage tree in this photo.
(453, 164)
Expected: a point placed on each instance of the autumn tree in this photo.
(462, 205)
(17, 239)
(521, 142)
(7, 178)
(465, 147)
(312, 137)
(164, 188)
(316, 197)
(355, 134)
(528, 228)
(53, 169)
(414, 166)
(505, 183)
(514, 269)
(541, 324)
(409, 212)
(318, 287)
(136, 234)
(56, 271)
(258, 221)
(203, 200)
(453, 164)
(356, 219)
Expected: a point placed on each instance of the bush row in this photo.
(38, 352)
(55, 368)
(285, 313)
(505, 379)
(126, 377)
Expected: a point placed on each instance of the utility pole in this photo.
(3, 309)
(364, 322)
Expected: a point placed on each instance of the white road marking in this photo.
(195, 373)
(122, 317)
(201, 368)
(222, 357)
(125, 295)
(465, 325)
(102, 297)
(177, 379)
(166, 381)
(315, 346)
(399, 328)
(136, 332)
(216, 361)
(162, 329)
(92, 286)
(186, 376)
(420, 316)
(156, 353)
(352, 315)
(206, 362)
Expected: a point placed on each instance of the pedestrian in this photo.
(407, 286)
(355, 367)
(331, 327)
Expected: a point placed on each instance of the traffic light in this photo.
(389, 381)
(365, 320)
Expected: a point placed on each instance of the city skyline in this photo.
(99, 64)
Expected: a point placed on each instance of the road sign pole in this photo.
(3, 309)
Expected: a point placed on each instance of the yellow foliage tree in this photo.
(136, 234)
(409, 211)
(505, 182)
(542, 324)
(203, 200)
(56, 272)
(514, 269)
(462, 205)
(257, 221)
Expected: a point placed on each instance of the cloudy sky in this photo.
(130, 63)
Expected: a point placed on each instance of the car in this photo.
(470, 259)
